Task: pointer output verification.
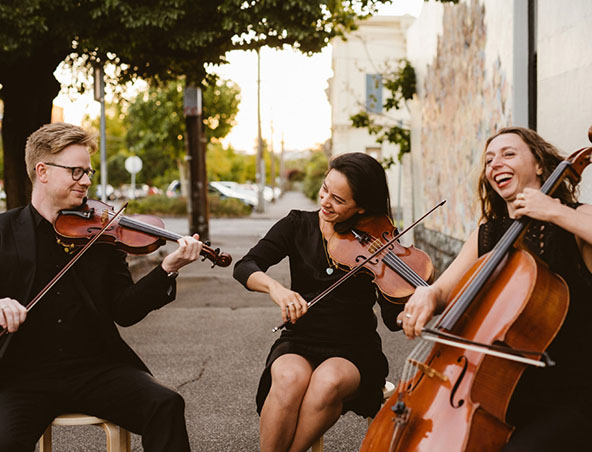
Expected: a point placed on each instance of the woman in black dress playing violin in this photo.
(550, 407)
(330, 360)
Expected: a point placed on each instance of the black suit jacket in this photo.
(102, 277)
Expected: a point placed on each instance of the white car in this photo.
(225, 191)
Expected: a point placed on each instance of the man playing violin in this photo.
(550, 407)
(328, 361)
(65, 354)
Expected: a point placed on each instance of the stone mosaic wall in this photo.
(462, 103)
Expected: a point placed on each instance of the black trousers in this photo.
(554, 426)
(125, 395)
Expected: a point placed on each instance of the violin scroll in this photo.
(215, 256)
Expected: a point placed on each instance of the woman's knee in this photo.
(289, 381)
(330, 386)
(291, 372)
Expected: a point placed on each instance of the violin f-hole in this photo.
(462, 359)
(360, 258)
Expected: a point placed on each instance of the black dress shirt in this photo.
(60, 327)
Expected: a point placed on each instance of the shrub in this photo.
(158, 205)
(315, 173)
(177, 207)
(227, 207)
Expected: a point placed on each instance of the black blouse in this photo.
(344, 317)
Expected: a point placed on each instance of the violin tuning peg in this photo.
(207, 243)
(213, 265)
(217, 251)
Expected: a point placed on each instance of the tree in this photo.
(115, 147)
(154, 40)
(156, 126)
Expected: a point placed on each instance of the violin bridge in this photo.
(375, 245)
(105, 217)
(427, 370)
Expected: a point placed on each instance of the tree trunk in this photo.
(28, 93)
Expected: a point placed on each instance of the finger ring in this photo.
(408, 316)
(399, 322)
(290, 304)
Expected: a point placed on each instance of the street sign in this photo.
(133, 164)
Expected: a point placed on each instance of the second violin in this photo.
(136, 234)
(397, 270)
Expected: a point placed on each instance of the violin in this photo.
(134, 234)
(397, 270)
(501, 317)
(378, 251)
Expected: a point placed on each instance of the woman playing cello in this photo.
(330, 360)
(550, 407)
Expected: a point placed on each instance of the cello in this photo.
(500, 317)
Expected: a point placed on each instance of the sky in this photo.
(294, 106)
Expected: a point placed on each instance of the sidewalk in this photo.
(211, 344)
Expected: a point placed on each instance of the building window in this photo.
(375, 152)
(373, 93)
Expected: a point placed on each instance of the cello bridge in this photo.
(427, 370)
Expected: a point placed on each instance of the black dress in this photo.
(550, 407)
(341, 325)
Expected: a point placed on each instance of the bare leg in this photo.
(331, 383)
(290, 376)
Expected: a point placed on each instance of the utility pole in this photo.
(197, 203)
(260, 158)
(282, 168)
(272, 155)
(99, 93)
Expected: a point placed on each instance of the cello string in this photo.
(495, 257)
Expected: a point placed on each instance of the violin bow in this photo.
(69, 265)
(354, 270)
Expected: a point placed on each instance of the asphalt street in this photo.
(211, 343)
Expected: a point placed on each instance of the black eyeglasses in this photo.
(77, 171)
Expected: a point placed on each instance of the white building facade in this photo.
(482, 65)
(358, 64)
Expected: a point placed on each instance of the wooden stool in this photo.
(118, 438)
(387, 392)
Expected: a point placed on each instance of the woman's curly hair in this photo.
(547, 156)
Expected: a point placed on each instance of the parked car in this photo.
(174, 189)
(110, 192)
(269, 194)
(222, 189)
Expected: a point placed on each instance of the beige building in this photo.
(358, 64)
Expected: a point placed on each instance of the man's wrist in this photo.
(168, 270)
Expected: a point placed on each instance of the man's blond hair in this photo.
(52, 139)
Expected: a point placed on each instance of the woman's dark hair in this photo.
(545, 154)
(367, 180)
